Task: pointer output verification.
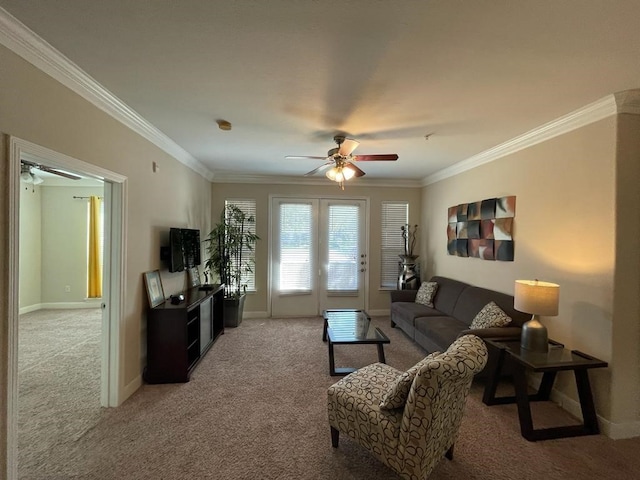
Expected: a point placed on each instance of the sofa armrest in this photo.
(403, 295)
(499, 333)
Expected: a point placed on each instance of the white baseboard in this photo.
(247, 315)
(615, 431)
(378, 313)
(130, 389)
(31, 308)
(92, 303)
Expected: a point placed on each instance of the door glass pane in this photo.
(343, 241)
(295, 247)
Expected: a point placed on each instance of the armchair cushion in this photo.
(490, 316)
(354, 408)
(398, 392)
(426, 292)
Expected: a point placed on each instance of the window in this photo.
(248, 206)
(344, 245)
(295, 247)
(394, 216)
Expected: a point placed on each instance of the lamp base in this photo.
(534, 337)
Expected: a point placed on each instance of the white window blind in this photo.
(343, 241)
(248, 206)
(394, 216)
(295, 247)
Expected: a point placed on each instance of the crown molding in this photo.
(293, 180)
(18, 38)
(622, 102)
(628, 101)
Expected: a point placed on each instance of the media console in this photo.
(179, 335)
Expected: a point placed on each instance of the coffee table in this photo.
(549, 364)
(350, 327)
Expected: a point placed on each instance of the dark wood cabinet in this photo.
(179, 335)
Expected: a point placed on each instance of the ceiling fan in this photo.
(339, 165)
(27, 174)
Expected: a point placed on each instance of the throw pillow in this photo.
(396, 395)
(426, 292)
(491, 315)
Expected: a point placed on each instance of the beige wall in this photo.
(38, 109)
(565, 231)
(30, 246)
(64, 243)
(378, 299)
(626, 327)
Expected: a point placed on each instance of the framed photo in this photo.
(194, 277)
(154, 288)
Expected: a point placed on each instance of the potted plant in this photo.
(227, 247)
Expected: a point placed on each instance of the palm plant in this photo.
(227, 247)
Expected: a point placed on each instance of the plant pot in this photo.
(233, 309)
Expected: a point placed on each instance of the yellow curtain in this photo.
(95, 254)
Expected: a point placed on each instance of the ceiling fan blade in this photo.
(59, 172)
(298, 157)
(347, 147)
(358, 172)
(320, 169)
(371, 158)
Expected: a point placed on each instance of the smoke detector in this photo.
(223, 125)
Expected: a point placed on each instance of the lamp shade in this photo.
(537, 298)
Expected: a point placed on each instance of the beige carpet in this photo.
(255, 408)
(58, 383)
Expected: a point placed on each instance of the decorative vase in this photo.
(408, 278)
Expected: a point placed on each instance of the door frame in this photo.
(115, 192)
(367, 220)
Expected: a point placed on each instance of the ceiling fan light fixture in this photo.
(25, 177)
(36, 179)
(332, 174)
(348, 173)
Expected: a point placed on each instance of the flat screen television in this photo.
(183, 250)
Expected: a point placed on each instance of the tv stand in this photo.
(180, 335)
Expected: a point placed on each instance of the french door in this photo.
(318, 252)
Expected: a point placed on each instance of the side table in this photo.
(549, 364)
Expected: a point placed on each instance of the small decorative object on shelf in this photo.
(409, 278)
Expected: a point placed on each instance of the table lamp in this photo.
(537, 298)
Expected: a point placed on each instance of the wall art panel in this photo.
(482, 229)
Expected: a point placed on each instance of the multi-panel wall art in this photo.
(482, 229)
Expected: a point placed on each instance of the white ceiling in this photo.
(289, 74)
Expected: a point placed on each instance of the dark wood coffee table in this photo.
(549, 364)
(350, 327)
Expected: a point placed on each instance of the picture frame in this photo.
(155, 292)
(194, 277)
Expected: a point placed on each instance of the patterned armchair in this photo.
(409, 420)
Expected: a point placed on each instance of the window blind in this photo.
(343, 242)
(394, 216)
(248, 206)
(295, 247)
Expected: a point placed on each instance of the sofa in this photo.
(455, 305)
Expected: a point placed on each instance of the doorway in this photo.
(319, 255)
(113, 295)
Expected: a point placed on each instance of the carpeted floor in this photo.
(58, 383)
(255, 408)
